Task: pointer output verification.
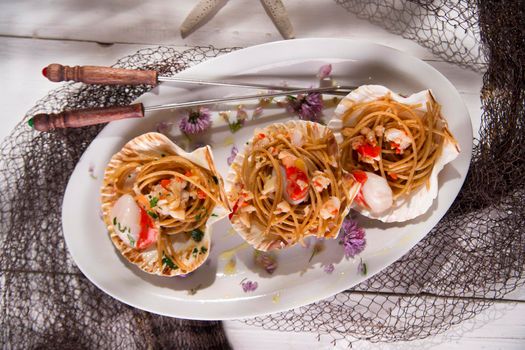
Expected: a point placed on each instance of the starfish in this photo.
(206, 9)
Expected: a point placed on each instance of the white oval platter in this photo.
(213, 293)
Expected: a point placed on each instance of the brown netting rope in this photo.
(449, 28)
(472, 258)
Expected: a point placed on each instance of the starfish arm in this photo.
(277, 12)
(200, 14)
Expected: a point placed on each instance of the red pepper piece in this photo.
(360, 176)
(148, 233)
(294, 191)
(367, 150)
(234, 210)
(201, 194)
(396, 146)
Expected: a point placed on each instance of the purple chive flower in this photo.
(353, 240)
(249, 286)
(195, 121)
(164, 127)
(266, 261)
(232, 156)
(307, 107)
(329, 268)
(324, 71)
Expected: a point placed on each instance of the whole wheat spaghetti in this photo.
(400, 142)
(287, 185)
(172, 194)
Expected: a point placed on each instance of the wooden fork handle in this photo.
(100, 75)
(84, 117)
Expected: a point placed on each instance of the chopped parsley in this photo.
(213, 214)
(234, 127)
(168, 262)
(195, 251)
(152, 214)
(203, 250)
(197, 235)
(131, 240)
(361, 268)
(153, 201)
(120, 228)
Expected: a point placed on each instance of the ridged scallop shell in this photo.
(253, 235)
(418, 202)
(157, 144)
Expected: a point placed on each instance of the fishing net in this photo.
(470, 260)
(46, 301)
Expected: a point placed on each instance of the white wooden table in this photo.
(36, 33)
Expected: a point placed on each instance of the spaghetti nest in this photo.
(288, 185)
(177, 194)
(400, 142)
(158, 201)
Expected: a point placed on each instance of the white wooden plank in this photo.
(238, 23)
(501, 326)
(21, 63)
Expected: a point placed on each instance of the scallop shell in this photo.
(418, 202)
(157, 144)
(253, 235)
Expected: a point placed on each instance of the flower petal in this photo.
(266, 261)
(324, 71)
(329, 268)
(195, 122)
(233, 154)
(249, 286)
(353, 240)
